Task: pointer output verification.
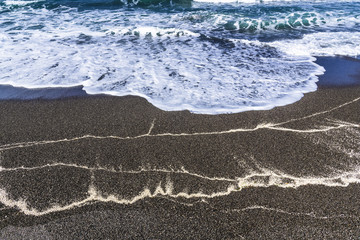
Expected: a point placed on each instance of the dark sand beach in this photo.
(103, 167)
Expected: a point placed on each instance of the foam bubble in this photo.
(199, 187)
(19, 3)
(322, 44)
(175, 69)
(171, 68)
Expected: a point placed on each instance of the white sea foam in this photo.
(322, 44)
(264, 178)
(144, 54)
(19, 3)
(174, 69)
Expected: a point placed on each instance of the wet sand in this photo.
(118, 168)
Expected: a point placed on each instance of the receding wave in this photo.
(174, 69)
(176, 60)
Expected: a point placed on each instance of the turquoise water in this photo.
(207, 57)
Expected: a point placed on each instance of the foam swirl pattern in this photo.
(205, 59)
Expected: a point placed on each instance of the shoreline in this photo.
(292, 171)
(349, 75)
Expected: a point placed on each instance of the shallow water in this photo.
(204, 57)
(341, 72)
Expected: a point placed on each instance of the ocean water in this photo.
(206, 56)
